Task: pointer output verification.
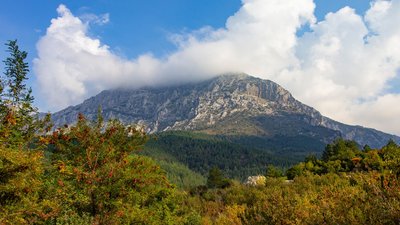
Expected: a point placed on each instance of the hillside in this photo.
(238, 156)
(232, 105)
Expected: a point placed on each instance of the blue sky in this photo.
(148, 42)
(136, 26)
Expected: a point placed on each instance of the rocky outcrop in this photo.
(227, 104)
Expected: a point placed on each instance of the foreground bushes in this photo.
(313, 199)
(89, 176)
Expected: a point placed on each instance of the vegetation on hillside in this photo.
(201, 152)
(91, 173)
(346, 186)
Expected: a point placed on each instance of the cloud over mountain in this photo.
(343, 66)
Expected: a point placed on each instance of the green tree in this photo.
(97, 176)
(21, 160)
(372, 161)
(391, 156)
(273, 171)
(216, 179)
(16, 72)
(344, 151)
(19, 122)
(296, 170)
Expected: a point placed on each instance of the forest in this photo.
(93, 172)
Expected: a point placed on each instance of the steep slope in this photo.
(233, 105)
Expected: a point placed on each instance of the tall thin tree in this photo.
(17, 113)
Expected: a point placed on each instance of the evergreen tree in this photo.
(273, 171)
(343, 152)
(21, 161)
(16, 73)
(18, 117)
(216, 179)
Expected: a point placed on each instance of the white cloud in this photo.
(383, 113)
(96, 19)
(346, 64)
(341, 67)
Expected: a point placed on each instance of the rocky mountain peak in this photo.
(248, 85)
(231, 104)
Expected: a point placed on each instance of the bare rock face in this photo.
(254, 181)
(235, 104)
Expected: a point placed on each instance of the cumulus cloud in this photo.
(347, 62)
(342, 67)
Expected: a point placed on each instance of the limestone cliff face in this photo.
(230, 104)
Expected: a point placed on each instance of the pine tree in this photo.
(21, 161)
(17, 113)
(216, 179)
(16, 73)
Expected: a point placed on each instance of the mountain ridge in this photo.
(231, 104)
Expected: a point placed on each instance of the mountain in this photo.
(238, 106)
